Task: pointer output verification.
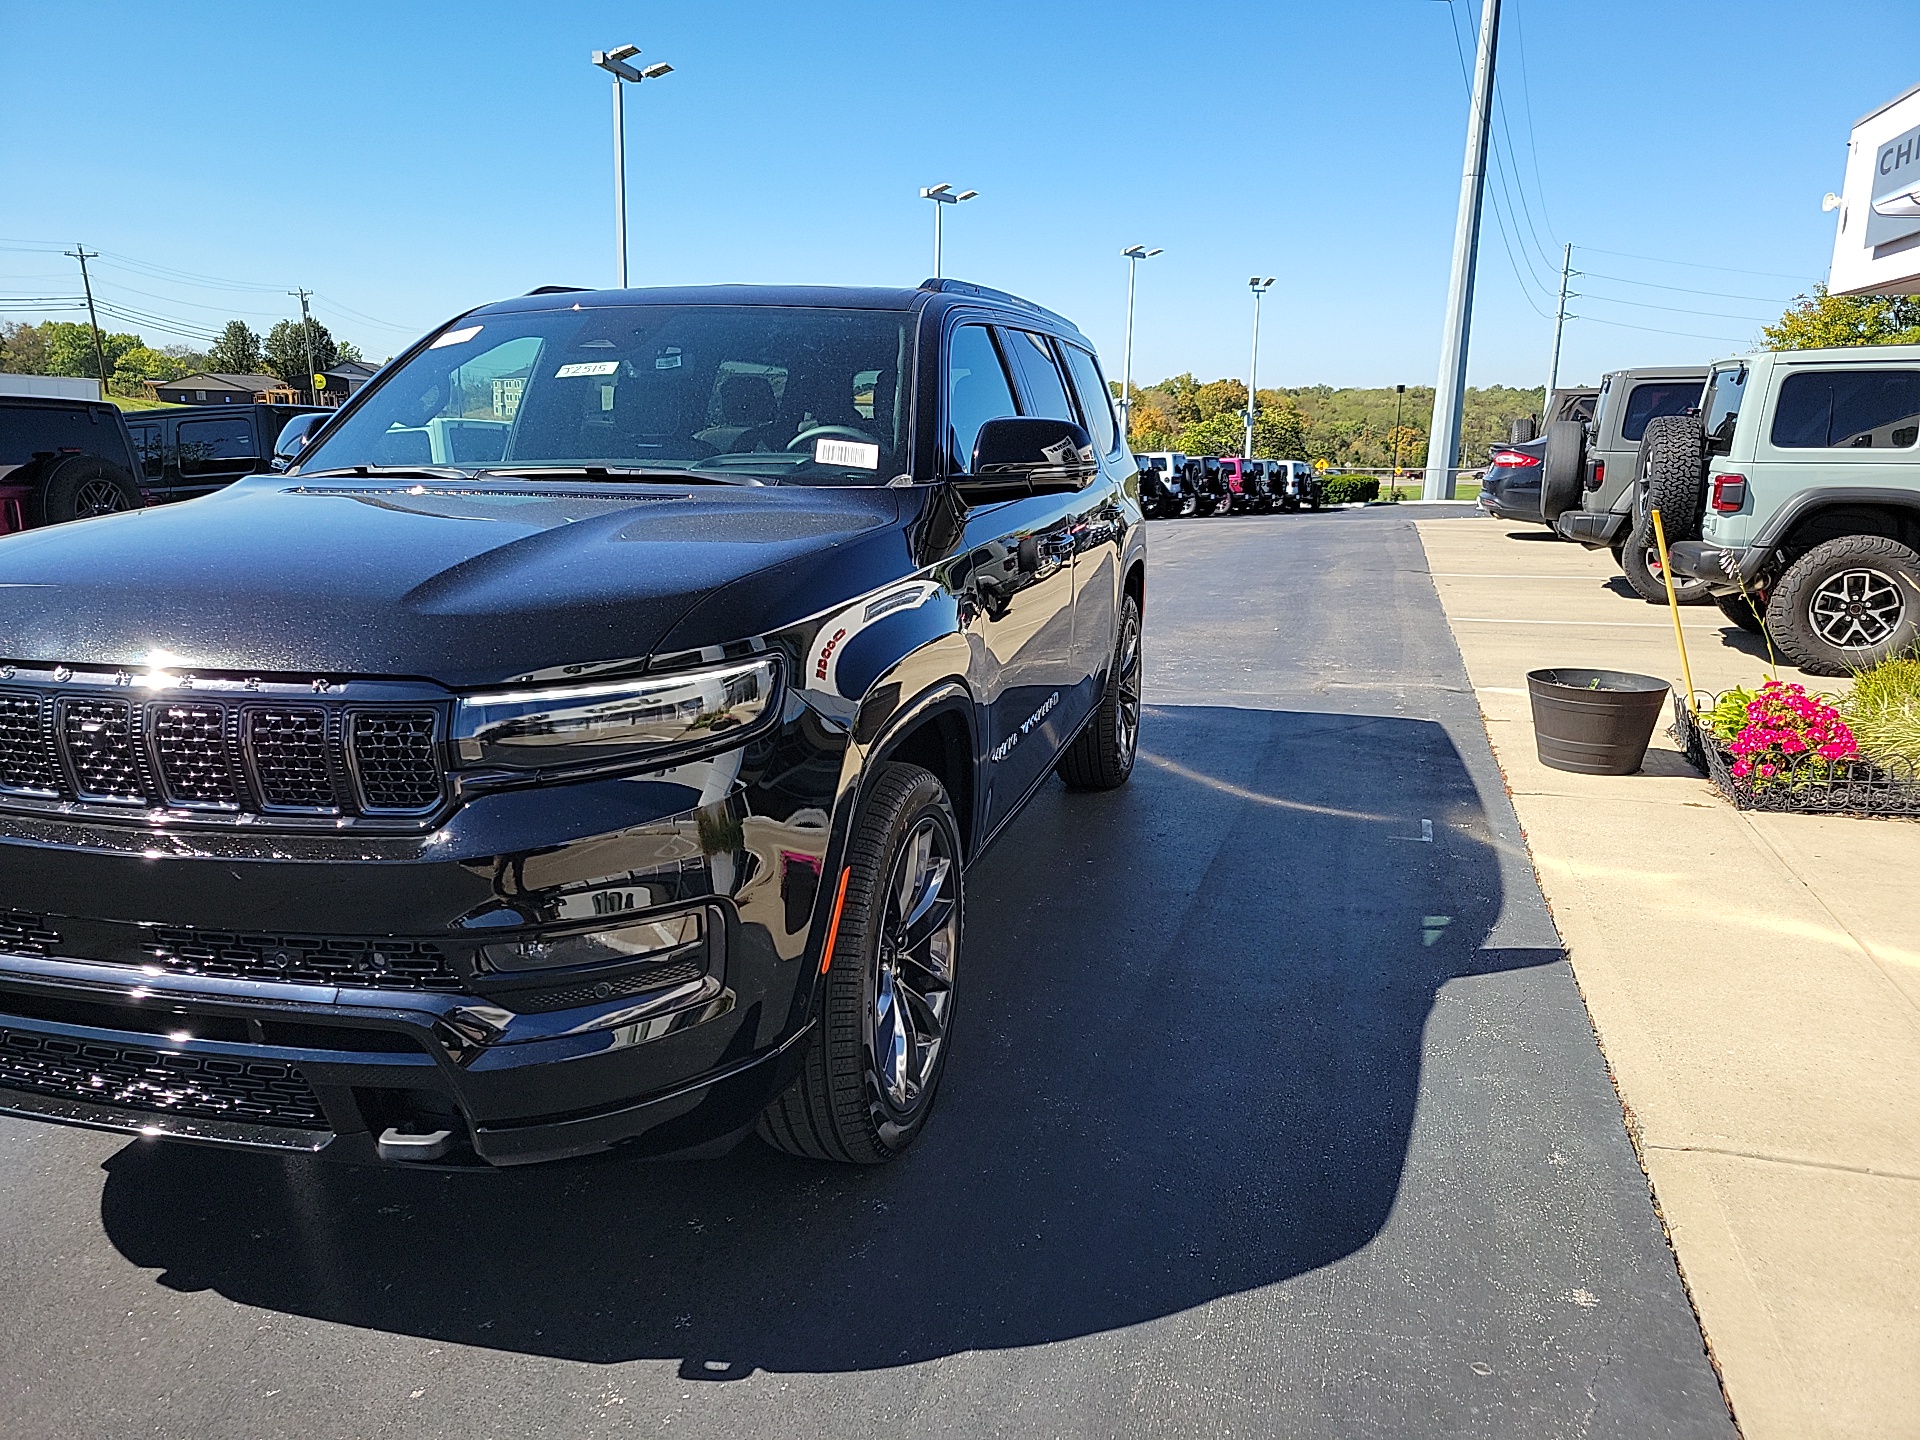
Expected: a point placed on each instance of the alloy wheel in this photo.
(1128, 676)
(98, 497)
(913, 987)
(1855, 609)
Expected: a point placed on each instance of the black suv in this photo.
(62, 460)
(612, 786)
(196, 449)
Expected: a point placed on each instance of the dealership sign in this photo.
(1877, 249)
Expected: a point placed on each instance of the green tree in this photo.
(346, 350)
(285, 353)
(1279, 428)
(237, 351)
(134, 366)
(23, 349)
(1820, 320)
(1219, 434)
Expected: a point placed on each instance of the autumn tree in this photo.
(1820, 320)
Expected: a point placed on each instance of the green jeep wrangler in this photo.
(1800, 480)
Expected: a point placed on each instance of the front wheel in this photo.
(872, 1071)
(1101, 756)
(1742, 611)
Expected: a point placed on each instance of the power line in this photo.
(1681, 289)
(1672, 309)
(1651, 330)
(1692, 264)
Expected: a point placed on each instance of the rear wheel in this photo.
(1740, 611)
(1101, 757)
(1640, 563)
(1847, 604)
(872, 1071)
(82, 486)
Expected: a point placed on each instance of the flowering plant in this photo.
(1786, 729)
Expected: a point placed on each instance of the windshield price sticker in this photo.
(587, 367)
(846, 452)
(456, 337)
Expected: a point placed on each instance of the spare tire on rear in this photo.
(81, 486)
(1522, 431)
(1673, 474)
(1564, 471)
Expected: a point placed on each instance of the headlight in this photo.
(588, 726)
(648, 939)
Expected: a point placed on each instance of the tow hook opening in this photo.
(414, 1126)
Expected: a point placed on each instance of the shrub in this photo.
(1786, 731)
(1344, 489)
(1883, 710)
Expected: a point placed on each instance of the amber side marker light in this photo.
(833, 925)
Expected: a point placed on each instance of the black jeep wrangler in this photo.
(62, 460)
(583, 746)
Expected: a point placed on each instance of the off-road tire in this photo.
(1737, 609)
(1522, 431)
(1640, 563)
(1671, 474)
(79, 487)
(834, 1110)
(1101, 757)
(1819, 577)
(1563, 471)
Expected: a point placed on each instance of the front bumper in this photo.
(100, 1027)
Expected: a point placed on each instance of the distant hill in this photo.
(1317, 422)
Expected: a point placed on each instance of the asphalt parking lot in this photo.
(1274, 1109)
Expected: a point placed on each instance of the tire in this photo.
(1846, 604)
(1522, 431)
(80, 487)
(1736, 609)
(1101, 756)
(1563, 472)
(1672, 474)
(872, 1072)
(1640, 563)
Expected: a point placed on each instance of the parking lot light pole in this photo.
(1399, 397)
(942, 195)
(1135, 254)
(614, 62)
(1259, 288)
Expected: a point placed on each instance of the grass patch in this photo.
(1883, 710)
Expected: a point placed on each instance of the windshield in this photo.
(809, 396)
(1721, 404)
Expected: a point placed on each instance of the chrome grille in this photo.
(25, 761)
(369, 964)
(393, 754)
(190, 747)
(129, 1077)
(289, 752)
(98, 736)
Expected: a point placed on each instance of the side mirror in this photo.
(1023, 455)
(295, 436)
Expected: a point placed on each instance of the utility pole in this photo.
(1399, 397)
(1559, 324)
(1259, 288)
(306, 326)
(1443, 446)
(82, 254)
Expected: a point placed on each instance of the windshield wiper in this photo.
(621, 472)
(424, 472)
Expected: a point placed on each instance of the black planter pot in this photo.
(1595, 722)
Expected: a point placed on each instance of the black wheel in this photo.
(1563, 470)
(1672, 474)
(1740, 611)
(80, 487)
(1101, 756)
(872, 1071)
(1640, 563)
(1522, 431)
(1847, 604)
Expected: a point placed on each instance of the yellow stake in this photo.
(1666, 574)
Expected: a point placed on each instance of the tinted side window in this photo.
(1042, 390)
(977, 390)
(1655, 399)
(146, 449)
(1096, 403)
(1848, 409)
(26, 431)
(216, 445)
(1722, 402)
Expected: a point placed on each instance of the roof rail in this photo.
(987, 292)
(557, 290)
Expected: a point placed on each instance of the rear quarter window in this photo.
(1096, 402)
(1848, 410)
(1653, 400)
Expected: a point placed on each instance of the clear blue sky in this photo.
(406, 160)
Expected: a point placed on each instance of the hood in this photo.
(464, 584)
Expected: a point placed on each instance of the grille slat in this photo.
(26, 763)
(289, 751)
(126, 1077)
(98, 735)
(368, 964)
(393, 757)
(190, 746)
(22, 933)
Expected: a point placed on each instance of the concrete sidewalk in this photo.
(1755, 984)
